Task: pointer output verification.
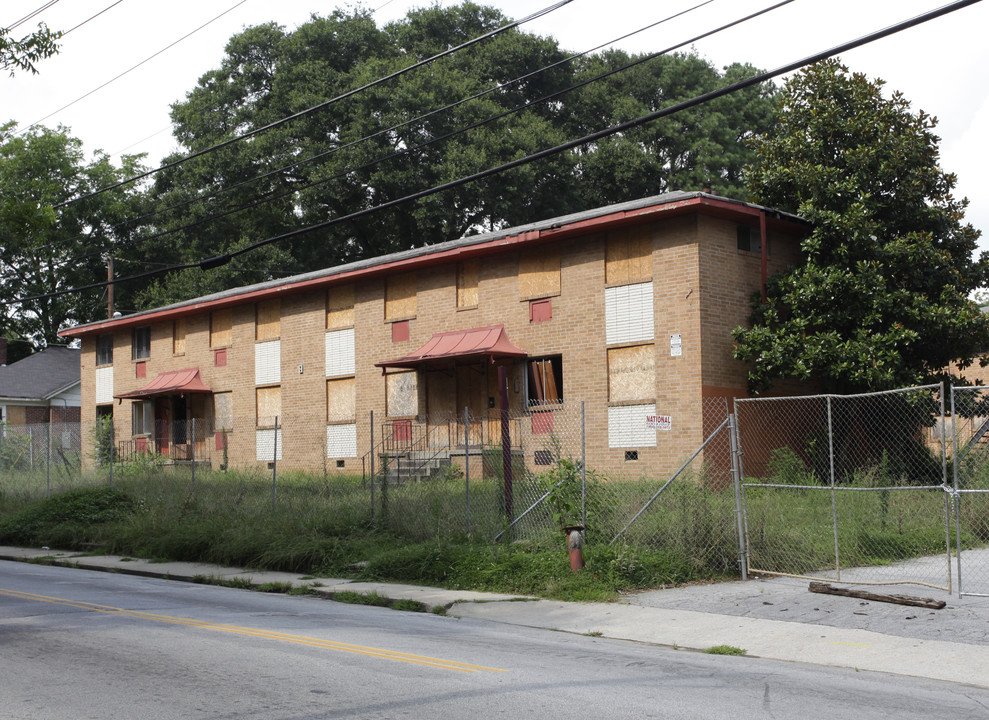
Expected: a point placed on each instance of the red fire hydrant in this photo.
(575, 541)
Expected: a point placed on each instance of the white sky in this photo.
(939, 66)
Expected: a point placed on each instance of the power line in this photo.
(131, 69)
(33, 13)
(756, 79)
(264, 198)
(92, 17)
(276, 123)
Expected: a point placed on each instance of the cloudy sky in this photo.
(938, 66)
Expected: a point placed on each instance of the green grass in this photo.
(724, 650)
(326, 526)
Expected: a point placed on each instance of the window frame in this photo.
(142, 418)
(104, 346)
(533, 389)
(140, 348)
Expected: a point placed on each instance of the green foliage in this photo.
(104, 451)
(786, 468)
(15, 451)
(71, 519)
(22, 53)
(724, 650)
(269, 73)
(566, 497)
(881, 299)
(48, 247)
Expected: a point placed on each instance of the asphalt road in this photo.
(82, 644)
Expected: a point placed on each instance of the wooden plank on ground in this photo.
(819, 587)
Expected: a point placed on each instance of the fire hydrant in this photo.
(575, 541)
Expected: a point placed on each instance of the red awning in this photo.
(174, 382)
(486, 343)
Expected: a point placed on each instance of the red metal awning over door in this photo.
(486, 343)
(173, 382)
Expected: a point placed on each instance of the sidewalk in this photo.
(950, 644)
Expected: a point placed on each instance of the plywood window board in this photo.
(340, 307)
(341, 400)
(628, 256)
(539, 272)
(221, 328)
(632, 373)
(269, 406)
(268, 319)
(402, 394)
(400, 296)
(468, 274)
(178, 337)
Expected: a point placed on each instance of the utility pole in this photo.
(109, 288)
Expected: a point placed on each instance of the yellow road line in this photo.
(256, 632)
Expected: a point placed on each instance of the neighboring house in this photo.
(626, 308)
(41, 388)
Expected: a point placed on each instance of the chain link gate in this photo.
(847, 488)
(969, 435)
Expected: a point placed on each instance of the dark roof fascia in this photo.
(628, 213)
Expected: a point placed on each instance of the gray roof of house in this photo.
(40, 376)
(464, 242)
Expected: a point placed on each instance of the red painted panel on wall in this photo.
(402, 431)
(540, 310)
(141, 370)
(221, 440)
(220, 358)
(400, 331)
(542, 423)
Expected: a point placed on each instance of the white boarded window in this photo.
(104, 385)
(223, 411)
(628, 313)
(341, 441)
(265, 441)
(340, 352)
(268, 362)
(628, 427)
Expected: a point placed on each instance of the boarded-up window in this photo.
(223, 411)
(400, 296)
(468, 273)
(268, 320)
(402, 392)
(341, 441)
(341, 400)
(544, 381)
(340, 307)
(268, 362)
(628, 257)
(632, 373)
(104, 385)
(178, 337)
(220, 328)
(269, 406)
(539, 272)
(628, 313)
(628, 426)
(340, 356)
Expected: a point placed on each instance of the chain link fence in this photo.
(968, 432)
(847, 488)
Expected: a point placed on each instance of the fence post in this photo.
(736, 477)
(194, 452)
(48, 462)
(583, 468)
(112, 453)
(956, 458)
(274, 464)
(834, 494)
(372, 466)
(467, 461)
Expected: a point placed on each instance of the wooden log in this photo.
(819, 587)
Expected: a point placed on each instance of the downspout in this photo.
(764, 252)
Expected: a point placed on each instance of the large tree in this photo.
(881, 298)
(269, 73)
(46, 248)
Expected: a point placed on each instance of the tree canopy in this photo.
(882, 299)
(387, 142)
(45, 249)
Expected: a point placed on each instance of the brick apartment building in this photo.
(626, 308)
